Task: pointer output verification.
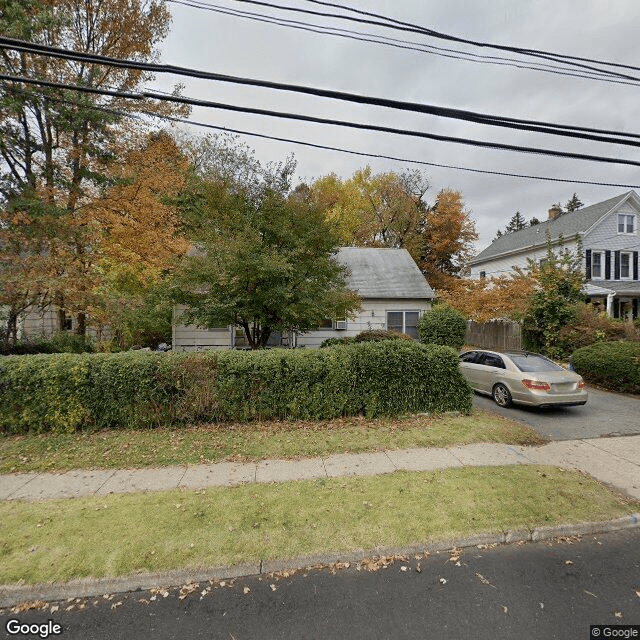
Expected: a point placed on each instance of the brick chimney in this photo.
(554, 212)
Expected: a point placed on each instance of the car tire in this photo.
(502, 395)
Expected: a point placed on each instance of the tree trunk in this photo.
(61, 319)
(81, 328)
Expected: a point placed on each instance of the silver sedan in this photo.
(523, 378)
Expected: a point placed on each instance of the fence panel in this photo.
(500, 334)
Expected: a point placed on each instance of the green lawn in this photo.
(123, 534)
(121, 449)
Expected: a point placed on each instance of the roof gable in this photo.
(383, 273)
(567, 225)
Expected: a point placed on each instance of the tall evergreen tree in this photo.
(516, 223)
(573, 204)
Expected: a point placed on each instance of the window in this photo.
(483, 275)
(489, 360)
(626, 223)
(625, 265)
(596, 264)
(469, 356)
(327, 323)
(404, 322)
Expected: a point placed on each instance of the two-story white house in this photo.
(610, 237)
(394, 295)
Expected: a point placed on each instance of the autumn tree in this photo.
(373, 210)
(56, 145)
(262, 256)
(443, 243)
(505, 296)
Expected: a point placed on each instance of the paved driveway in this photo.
(606, 414)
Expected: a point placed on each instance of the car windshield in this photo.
(532, 362)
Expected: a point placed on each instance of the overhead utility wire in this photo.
(397, 43)
(342, 123)
(399, 24)
(572, 131)
(330, 148)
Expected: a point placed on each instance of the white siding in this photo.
(605, 234)
(192, 338)
(372, 315)
(502, 266)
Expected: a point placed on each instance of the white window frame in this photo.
(404, 317)
(600, 254)
(629, 256)
(623, 220)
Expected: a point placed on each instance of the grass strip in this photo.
(120, 535)
(123, 449)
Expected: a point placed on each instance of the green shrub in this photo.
(613, 365)
(59, 342)
(370, 335)
(443, 325)
(68, 392)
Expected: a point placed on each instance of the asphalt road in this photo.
(605, 414)
(532, 591)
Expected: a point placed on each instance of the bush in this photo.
(443, 325)
(370, 335)
(613, 365)
(59, 342)
(68, 392)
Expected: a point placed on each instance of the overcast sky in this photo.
(588, 28)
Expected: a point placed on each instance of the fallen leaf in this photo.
(617, 614)
(246, 590)
(590, 594)
(484, 580)
(568, 562)
(273, 587)
(418, 568)
(504, 609)
(443, 581)
(638, 592)
(403, 568)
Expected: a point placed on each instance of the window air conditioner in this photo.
(341, 325)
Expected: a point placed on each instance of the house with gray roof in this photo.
(394, 295)
(609, 234)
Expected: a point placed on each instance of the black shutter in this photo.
(616, 265)
(635, 265)
(634, 308)
(587, 270)
(607, 265)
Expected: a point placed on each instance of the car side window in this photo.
(470, 356)
(489, 360)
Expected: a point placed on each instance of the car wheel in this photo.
(502, 396)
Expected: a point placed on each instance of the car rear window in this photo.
(534, 363)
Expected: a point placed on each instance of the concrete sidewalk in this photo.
(614, 461)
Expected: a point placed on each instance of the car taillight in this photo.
(581, 384)
(536, 384)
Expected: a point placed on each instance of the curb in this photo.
(14, 594)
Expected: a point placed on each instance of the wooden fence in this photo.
(500, 334)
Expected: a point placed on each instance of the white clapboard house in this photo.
(394, 295)
(610, 238)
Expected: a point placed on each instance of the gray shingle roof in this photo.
(383, 273)
(619, 286)
(567, 225)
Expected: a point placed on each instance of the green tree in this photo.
(516, 223)
(262, 256)
(573, 204)
(559, 280)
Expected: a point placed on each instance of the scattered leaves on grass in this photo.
(30, 606)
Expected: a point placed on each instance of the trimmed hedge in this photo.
(443, 325)
(66, 392)
(613, 365)
(370, 335)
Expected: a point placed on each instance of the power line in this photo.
(337, 149)
(445, 52)
(329, 121)
(444, 36)
(572, 131)
(399, 25)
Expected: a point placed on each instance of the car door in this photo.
(468, 367)
(489, 370)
